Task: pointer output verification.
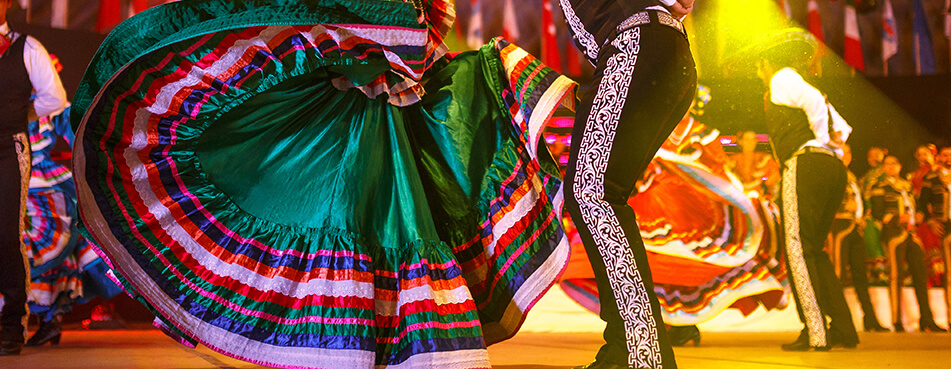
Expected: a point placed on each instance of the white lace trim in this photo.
(594, 151)
(585, 38)
(815, 322)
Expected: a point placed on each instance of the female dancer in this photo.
(316, 183)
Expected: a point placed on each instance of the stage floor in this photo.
(148, 348)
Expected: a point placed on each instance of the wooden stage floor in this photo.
(148, 348)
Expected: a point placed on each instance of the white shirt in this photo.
(787, 88)
(50, 94)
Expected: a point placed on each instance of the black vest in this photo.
(788, 129)
(15, 90)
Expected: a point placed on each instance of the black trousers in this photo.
(853, 256)
(812, 189)
(901, 247)
(14, 171)
(644, 82)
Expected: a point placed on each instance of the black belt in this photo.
(646, 17)
(813, 150)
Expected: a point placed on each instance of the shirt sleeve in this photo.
(50, 94)
(787, 88)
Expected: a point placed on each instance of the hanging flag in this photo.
(474, 36)
(889, 36)
(572, 59)
(815, 22)
(110, 14)
(137, 6)
(509, 23)
(59, 14)
(550, 54)
(853, 44)
(924, 51)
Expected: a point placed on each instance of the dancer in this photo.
(643, 83)
(893, 208)
(848, 246)
(25, 67)
(64, 268)
(805, 130)
(316, 183)
(934, 205)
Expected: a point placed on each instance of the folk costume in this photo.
(804, 131)
(849, 251)
(934, 203)
(25, 66)
(64, 268)
(643, 84)
(311, 183)
(893, 208)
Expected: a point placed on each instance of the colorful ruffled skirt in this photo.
(64, 268)
(308, 184)
(710, 246)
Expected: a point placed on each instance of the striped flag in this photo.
(474, 36)
(550, 54)
(853, 44)
(815, 22)
(59, 14)
(110, 14)
(889, 36)
(509, 22)
(924, 51)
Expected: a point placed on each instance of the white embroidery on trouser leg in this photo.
(585, 38)
(593, 153)
(815, 322)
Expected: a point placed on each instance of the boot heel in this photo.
(55, 340)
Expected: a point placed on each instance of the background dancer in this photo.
(848, 246)
(644, 82)
(64, 268)
(934, 204)
(893, 208)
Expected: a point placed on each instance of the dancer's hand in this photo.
(681, 8)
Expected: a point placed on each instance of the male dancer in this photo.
(934, 203)
(849, 246)
(893, 208)
(643, 83)
(805, 130)
(25, 66)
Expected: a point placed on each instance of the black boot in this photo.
(50, 331)
(899, 327)
(872, 325)
(680, 335)
(802, 344)
(928, 325)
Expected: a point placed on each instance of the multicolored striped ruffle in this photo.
(64, 269)
(308, 296)
(48, 226)
(386, 44)
(44, 134)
